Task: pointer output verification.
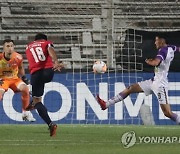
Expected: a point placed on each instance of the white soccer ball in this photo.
(99, 67)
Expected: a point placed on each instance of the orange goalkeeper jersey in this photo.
(9, 69)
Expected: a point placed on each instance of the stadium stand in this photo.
(81, 25)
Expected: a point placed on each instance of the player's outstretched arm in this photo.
(153, 62)
(178, 49)
(57, 66)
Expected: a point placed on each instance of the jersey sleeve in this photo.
(175, 48)
(50, 44)
(162, 53)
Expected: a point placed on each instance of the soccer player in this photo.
(42, 64)
(12, 75)
(157, 85)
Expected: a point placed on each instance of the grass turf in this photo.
(83, 139)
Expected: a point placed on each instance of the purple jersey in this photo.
(166, 55)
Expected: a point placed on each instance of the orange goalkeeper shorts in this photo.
(13, 84)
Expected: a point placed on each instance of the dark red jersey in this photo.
(38, 56)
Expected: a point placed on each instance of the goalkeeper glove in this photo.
(1, 82)
(25, 80)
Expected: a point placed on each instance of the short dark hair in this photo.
(7, 41)
(40, 36)
(163, 36)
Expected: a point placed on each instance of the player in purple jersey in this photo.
(157, 85)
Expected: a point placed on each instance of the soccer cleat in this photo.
(101, 102)
(52, 129)
(27, 116)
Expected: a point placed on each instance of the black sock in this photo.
(42, 110)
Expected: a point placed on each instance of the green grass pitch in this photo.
(83, 139)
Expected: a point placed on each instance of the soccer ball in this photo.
(99, 67)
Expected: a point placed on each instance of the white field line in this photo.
(102, 126)
(122, 126)
(51, 142)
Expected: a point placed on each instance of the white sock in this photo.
(114, 100)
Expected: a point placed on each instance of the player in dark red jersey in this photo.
(42, 64)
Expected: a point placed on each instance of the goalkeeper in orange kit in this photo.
(12, 75)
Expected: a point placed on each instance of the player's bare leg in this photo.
(42, 110)
(24, 95)
(33, 103)
(168, 113)
(135, 88)
(26, 115)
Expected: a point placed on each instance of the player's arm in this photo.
(21, 73)
(177, 49)
(161, 56)
(57, 66)
(153, 62)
